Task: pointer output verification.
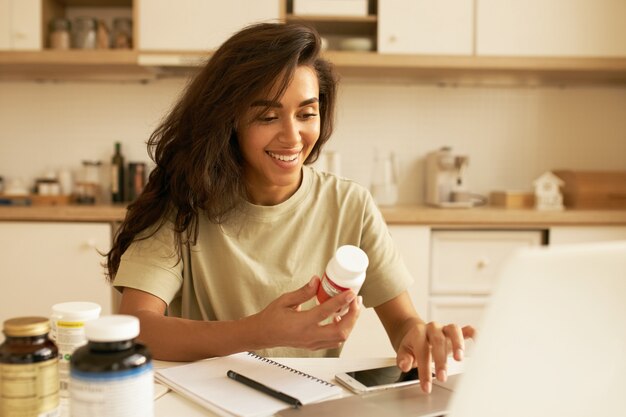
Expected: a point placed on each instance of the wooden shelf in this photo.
(133, 65)
(478, 69)
(334, 19)
(96, 3)
(73, 64)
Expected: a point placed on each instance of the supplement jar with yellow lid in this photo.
(29, 376)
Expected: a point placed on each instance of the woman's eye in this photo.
(267, 118)
(308, 115)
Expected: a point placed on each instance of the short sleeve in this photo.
(387, 276)
(152, 265)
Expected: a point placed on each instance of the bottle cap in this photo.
(115, 328)
(76, 311)
(349, 263)
(26, 326)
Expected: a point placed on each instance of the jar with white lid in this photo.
(345, 271)
(67, 331)
(112, 375)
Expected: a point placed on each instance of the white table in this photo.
(171, 404)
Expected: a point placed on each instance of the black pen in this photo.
(294, 402)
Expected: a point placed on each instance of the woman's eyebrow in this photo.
(270, 103)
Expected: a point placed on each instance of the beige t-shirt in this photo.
(237, 268)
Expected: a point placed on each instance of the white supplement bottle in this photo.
(344, 271)
(67, 331)
(112, 375)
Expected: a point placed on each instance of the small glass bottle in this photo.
(84, 33)
(112, 375)
(29, 374)
(345, 271)
(60, 29)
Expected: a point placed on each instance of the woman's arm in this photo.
(418, 343)
(281, 323)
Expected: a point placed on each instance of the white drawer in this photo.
(459, 310)
(468, 261)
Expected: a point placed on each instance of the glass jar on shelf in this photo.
(88, 189)
(84, 33)
(59, 33)
(122, 33)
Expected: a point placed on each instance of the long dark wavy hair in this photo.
(199, 167)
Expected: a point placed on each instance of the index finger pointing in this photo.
(422, 355)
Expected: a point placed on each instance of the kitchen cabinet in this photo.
(464, 268)
(197, 25)
(444, 27)
(433, 42)
(344, 32)
(44, 263)
(20, 25)
(556, 28)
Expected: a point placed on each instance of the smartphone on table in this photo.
(375, 379)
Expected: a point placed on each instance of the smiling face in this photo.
(275, 143)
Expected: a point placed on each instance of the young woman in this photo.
(221, 252)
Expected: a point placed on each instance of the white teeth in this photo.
(286, 158)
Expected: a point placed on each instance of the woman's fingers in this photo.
(455, 336)
(333, 305)
(439, 349)
(295, 298)
(337, 332)
(423, 358)
(429, 343)
(468, 332)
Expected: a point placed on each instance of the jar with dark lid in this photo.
(60, 30)
(112, 375)
(122, 33)
(29, 374)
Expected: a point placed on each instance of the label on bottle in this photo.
(128, 393)
(30, 390)
(115, 179)
(328, 289)
(68, 336)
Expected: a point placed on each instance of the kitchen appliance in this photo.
(445, 179)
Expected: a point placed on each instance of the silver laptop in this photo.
(553, 343)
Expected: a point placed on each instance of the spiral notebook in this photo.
(206, 383)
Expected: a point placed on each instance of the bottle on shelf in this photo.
(117, 175)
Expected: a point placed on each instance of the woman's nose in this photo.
(290, 133)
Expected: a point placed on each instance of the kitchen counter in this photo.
(501, 217)
(64, 213)
(412, 214)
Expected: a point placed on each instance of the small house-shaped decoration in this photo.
(547, 192)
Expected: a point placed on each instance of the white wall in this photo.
(512, 134)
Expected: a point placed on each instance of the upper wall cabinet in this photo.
(197, 25)
(555, 28)
(20, 25)
(443, 27)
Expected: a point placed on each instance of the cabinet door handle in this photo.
(393, 39)
(91, 243)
